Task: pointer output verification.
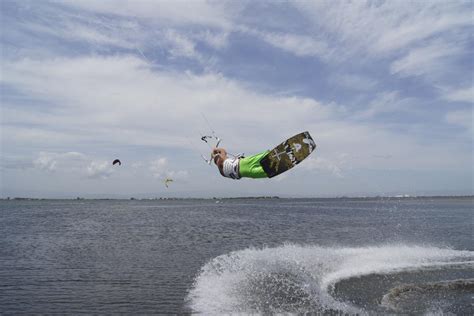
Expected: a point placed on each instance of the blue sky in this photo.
(384, 87)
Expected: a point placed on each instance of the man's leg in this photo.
(250, 167)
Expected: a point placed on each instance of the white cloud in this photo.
(77, 31)
(209, 13)
(425, 60)
(119, 99)
(459, 95)
(217, 40)
(181, 46)
(383, 27)
(160, 168)
(48, 161)
(99, 170)
(73, 162)
(96, 168)
(299, 45)
(386, 102)
(422, 21)
(135, 25)
(322, 164)
(428, 39)
(101, 98)
(45, 162)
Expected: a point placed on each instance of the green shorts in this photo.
(249, 167)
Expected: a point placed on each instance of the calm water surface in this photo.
(365, 256)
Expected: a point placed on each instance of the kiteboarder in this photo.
(239, 167)
(167, 180)
(268, 163)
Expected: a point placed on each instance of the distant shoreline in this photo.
(404, 197)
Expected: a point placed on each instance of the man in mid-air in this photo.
(239, 167)
(265, 165)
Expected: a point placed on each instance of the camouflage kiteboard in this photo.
(288, 154)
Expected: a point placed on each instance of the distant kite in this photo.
(167, 180)
(116, 161)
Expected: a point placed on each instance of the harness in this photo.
(230, 168)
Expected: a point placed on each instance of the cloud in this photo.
(459, 95)
(383, 27)
(323, 164)
(208, 13)
(45, 162)
(99, 170)
(96, 168)
(160, 169)
(74, 79)
(216, 39)
(420, 21)
(299, 45)
(181, 46)
(76, 30)
(425, 60)
(73, 162)
(121, 100)
(386, 102)
(50, 162)
(137, 26)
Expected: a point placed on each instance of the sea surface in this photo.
(260, 256)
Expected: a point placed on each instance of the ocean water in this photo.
(260, 256)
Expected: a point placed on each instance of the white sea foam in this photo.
(295, 278)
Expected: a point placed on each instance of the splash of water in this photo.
(295, 278)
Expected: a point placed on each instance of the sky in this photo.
(385, 88)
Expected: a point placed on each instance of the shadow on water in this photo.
(447, 290)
